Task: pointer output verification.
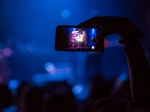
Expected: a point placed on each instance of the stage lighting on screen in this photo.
(93, 47)
(93, 30)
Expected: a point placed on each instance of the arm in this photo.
(139, 71)
(138, 66)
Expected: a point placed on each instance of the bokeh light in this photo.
(49, 66)
(13, 85)
(65, 13)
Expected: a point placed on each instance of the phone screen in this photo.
(72, 38)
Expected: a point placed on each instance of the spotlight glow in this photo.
(123, 76)
(93, 30)
(77, 89)
(13, 84)
(65, 13)
(49, 66)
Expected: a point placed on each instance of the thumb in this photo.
(99, 40)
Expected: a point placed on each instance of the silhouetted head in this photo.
(59, 102)
(29, 98)
(5, 97)
(32, 99)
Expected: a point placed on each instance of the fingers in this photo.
(99, 40)
(108, 24)
(100, 44)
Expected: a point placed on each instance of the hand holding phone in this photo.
(110, 25)
(107, 25)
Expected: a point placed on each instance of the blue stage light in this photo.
(49, 66)
(65, 13)
(77, 89)
(123, 76)
(13, 84)
(80, 91)
(93, 30)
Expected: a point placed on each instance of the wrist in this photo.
(132, 38)
(128, 31)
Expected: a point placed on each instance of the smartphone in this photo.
(74, 38)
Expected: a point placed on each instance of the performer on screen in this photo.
(80, 37)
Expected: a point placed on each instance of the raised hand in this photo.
(110, 25)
